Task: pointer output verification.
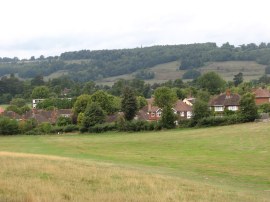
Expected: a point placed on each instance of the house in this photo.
(40, 116)
(261, 96)
(153, 113)
(189, 101)
(225, 101)
(35, 102)
(1, 110)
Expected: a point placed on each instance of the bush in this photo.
(8, 126)
(70, 128)
(139, 125)
(186, 123)
(99, 128)
(45, 128)
(219, 121)
(63, 121)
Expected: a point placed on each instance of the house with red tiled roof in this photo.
(40, 116)
(225, 101)
(153, 113)
(261, 96)
(1, 110)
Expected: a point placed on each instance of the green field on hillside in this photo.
(230, 163)
(170, 71)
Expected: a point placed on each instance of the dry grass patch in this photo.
(29, 178)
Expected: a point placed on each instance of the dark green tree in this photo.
(81, 103)
(104, 100)
(168, 118)
(165, 96)
(8, 126)
(40, 92)
(191, 74)
(93, 115)
(129, 104)
(200, 110)
(248, 108)
(211, 82)
(238, 79)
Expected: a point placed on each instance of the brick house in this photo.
(225, 101)
(261, 96)
(153, 113)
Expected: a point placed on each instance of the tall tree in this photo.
(168, 118)
(93, 115)
(200, 110)
(211, 82)
(248, 108)
(238, 79)
(40, 92)
(81, 103)
(165, 96)
(129, 103)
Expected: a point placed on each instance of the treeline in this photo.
(88, 65)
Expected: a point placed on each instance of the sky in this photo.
(50, 27)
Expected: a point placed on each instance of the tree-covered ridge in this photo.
(87, 65)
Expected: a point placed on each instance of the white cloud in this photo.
(35, 27)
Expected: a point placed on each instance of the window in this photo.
(182, 114)
(153, 114)
(218, 109)
(159, 114)
(233, 108)
(189, 114)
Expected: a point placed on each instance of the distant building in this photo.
(224, 101)
(35, 102)
(154, 113)
(261, 96)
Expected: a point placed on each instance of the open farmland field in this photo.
(251, 70)
(170, 71)
(230, 163)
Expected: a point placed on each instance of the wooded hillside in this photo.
(88, 65)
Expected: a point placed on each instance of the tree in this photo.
(191, 74)
(200, 110)
(19, 102)
(129, 103)
(81, 103)
(248, 108)
(37, 81)
(40, 92)
(168, 117)
(141, 102)
(211, 82)
(238, 79)
(93, 115)
(104, 100)
(165, 96)
(8, 126)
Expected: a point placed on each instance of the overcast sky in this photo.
(50, 27)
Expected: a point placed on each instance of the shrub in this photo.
(99, 128)
(45, 128)
(8, 126)
(63, 121)
(70, 128)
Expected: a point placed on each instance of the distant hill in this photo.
(166, 62)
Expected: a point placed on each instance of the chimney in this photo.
(228, 93)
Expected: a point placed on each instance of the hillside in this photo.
(229, 163)
(170, 71)
(168, 62)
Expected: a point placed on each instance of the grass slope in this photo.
(230, 163)
(170, 71)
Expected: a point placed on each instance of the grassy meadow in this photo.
(229, 163)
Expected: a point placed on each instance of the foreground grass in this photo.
(40, 178)
(230, 163)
